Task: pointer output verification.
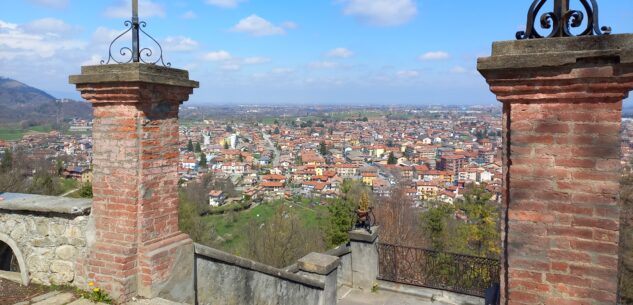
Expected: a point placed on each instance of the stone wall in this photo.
(222, 278)
(49, 239)
(344, 276)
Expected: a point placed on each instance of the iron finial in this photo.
(562, 19)
(136, 54)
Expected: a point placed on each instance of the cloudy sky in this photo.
(281, 51)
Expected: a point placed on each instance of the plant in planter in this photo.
(365, 218)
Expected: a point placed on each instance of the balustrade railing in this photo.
(438, 270)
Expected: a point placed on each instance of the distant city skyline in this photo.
(375, 52)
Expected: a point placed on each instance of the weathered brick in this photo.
(592, 222)
(523, 297)
(547, 128)
(595, 246)
(567, 280)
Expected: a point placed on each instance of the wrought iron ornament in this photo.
(136, 54)
(438, 270)
(562, 19)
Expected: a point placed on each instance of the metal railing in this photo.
(438, 270)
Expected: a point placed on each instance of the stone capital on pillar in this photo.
(562, 106)
(322, 267)
(138, 248)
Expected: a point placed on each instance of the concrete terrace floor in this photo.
(357, 297)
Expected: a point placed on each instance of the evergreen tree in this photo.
(190, 146)
(480, 233)
(86, 190)
(198, 148)
(226, 144)
(434, 222)
(7, 161)
(392, 159)
(323, 148)
(276, 130)
(340, 221)
(203, 160)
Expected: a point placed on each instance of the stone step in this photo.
(45, 296)
(85, 302)
(59, 299)
(154, 301)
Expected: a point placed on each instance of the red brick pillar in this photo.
(562, 102)
(137, 244)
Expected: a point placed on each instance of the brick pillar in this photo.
(562, 102)
(137, 245)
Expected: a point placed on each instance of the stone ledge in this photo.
(553, 52)
(318, 263)
(339, 251)
(363, 236)
(223, 257)
(133, 72)
(44, 204)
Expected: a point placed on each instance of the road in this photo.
(271, 146)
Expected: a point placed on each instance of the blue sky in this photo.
(282, 52)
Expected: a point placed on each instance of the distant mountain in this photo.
(20, 102)
(14, 94)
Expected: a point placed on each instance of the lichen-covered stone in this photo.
(51, 244)
(65, 252)
(62, 272)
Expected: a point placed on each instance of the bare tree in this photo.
(282, 240)
(399, 221)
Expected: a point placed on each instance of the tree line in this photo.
(21, 172)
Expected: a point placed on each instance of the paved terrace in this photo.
(356, 297)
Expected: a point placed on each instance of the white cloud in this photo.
(58, 4)
(256, 60)
(289, 25)
(340, 53)
(282, 70)
(189, 15)
(225, 3)
(228, 62)
(104, 35)
(436, 55)
(18, 42)
(258, 26)
(218, 56)
(123, 9)
(458, 70)
(323, 64)
(95, 59)
(180, 44)
(381, 12)
(231, 67)
(407, 74)
(48, 26)
(8, 26)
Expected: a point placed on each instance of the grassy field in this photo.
(232, 227)
(12, 133)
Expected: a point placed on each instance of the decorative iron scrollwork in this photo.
(438, 270)
(562, 19)
(136, 54)
(144, 55)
